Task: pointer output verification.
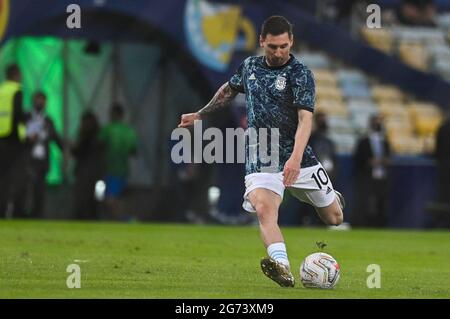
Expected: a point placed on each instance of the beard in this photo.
(276, 61)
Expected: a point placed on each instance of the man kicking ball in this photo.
(280, 94)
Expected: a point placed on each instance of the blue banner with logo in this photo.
(216, 35)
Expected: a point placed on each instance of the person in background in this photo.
(40, 132)
(371, 161)
(88, 153)
(323, 145)
(442, 155)
(417, 13)
(11, 137)
(120, 141)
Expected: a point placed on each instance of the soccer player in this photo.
(280, 93)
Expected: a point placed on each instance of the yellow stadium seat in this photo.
(429, 143)
(329, 93)
(427, 125)
(396, 126)
(405, 144)
(424, 109)
(393, 110)
(324, 77)
(381, 39)
(332, 107)
(414, 54)
(387, 93)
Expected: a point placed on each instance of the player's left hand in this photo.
(291, 171)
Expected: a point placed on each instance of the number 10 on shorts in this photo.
(320, 177)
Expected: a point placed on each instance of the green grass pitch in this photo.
(187, 261)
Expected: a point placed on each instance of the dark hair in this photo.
(39, 94)
(276, 25)
(12, 71)
(117, 110)
(89, 122)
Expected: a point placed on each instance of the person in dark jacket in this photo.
(89, 156)
(442, 155)
(323, 146)
(371, 161)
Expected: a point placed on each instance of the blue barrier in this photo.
(411, 187)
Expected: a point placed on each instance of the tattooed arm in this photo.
(222, 98)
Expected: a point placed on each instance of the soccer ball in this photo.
(319, 270)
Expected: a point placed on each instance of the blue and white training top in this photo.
(273, 97)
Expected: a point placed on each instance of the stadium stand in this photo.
(423, 48)
(349, 97)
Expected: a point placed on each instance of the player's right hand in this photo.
(188, 119)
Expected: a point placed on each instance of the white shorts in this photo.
(313, 186)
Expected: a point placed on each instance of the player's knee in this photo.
(263, 210)
(336, 218)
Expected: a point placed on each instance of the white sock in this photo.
(278, 252)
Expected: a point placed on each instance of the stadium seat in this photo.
(324, 77)
(429, 143)
(405, 144)
(398, 129)
(393, 110)
(423, 109)
(353, 90)
(340, 125)
(329, 93)
(313, 60)
(443, 21)
(380, 39)
(426, 117)
(442, 67)
(414, 54)
(425, 126)
(345, 142)
(352, 76)
(418, 34)
(349, 99)
(362, 106)
(332, 107)
(382, 93)
(440, 51)
(360, 123)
